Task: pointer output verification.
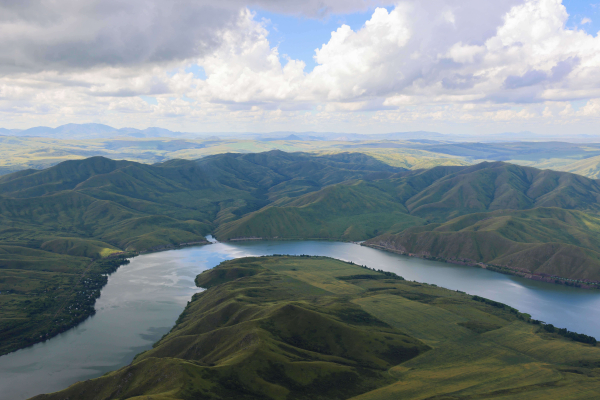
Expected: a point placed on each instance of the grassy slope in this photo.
(589, 167)
(556, 233)
(435, 195)
(553, 241)
(61, 220)
(18, 153)
(136, 207)
(348, 211)
(317, 328)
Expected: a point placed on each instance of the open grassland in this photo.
(316, 328)
(18, 153)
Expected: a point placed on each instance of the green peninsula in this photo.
(317, 328)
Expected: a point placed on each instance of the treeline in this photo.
(110, 265)
(497, 304)
(578, 337)
(81, 305)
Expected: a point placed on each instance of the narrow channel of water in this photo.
(142, 301)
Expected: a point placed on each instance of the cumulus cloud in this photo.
(459, 61)
(70, 34)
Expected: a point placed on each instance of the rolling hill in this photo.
(63, 228)
(318, 328)
(550, 241)
(541, 221)
(68, 219)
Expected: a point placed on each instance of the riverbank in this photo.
(503, 269)
(354, 330)
(61, 305)
(141, 303)
(172, 247)
(287, 239)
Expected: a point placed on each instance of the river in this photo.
(143, 299)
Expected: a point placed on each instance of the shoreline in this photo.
(557, 280)
(278, 239)
(97, 282)
(125, 256)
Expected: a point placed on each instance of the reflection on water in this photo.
(142, 301)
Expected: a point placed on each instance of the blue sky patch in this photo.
(298, 37)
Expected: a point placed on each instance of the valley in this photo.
(283, 200)
(65, 227)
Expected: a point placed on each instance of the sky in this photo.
(364, 66)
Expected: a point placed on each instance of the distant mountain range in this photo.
(90, 131)
(100, 131)
(94, 131)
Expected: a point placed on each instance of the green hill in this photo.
(434, 195)
(446, 192)
(589, 167)
(62, 222)
(551, 241)
(318, 328)
(541, 221)
(347, 211)
(68, 218)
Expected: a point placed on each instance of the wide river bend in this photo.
(142, 301)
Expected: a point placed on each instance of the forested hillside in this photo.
(58, 224)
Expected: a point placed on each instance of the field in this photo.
(18, 153)
(317, 328)
(22, 152)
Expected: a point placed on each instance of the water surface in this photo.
(142, 301)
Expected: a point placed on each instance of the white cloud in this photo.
(463, 54)
(448, 61)
(585, 20)
(591, 109)
(61, 35)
